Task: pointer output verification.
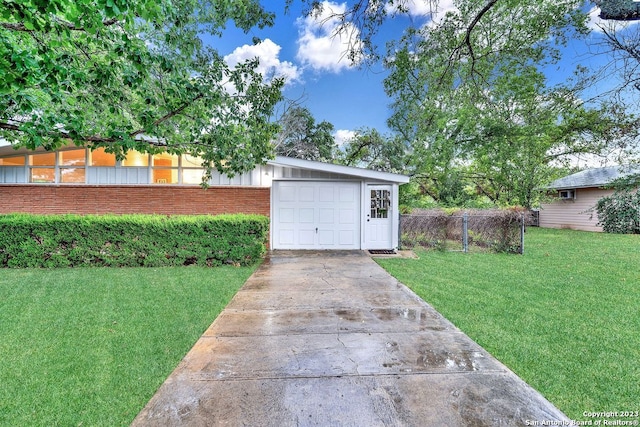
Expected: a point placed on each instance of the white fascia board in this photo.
(338, 169)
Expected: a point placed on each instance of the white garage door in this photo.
(315, 215)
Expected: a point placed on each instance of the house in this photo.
(312, 205)
(575, 196)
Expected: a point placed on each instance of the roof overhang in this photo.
(338, 169)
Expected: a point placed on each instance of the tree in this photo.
(470, 94)
(471, 99)
(301, 137)
(126, 75)
(371, 150)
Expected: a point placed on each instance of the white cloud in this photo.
(270, 65)
(425, 8)
(342, 136)
(323, 45)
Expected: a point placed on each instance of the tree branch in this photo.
(476, 19)
(467, 39)
(101, 139)
(169, 115)
(17, 26)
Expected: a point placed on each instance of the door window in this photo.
(380, 203)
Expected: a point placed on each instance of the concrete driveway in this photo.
(331, 339)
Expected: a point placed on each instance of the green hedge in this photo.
(130, 240)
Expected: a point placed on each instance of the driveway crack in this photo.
(355, 364)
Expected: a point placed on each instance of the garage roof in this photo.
(339, 169)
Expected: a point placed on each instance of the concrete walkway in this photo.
(331, 339)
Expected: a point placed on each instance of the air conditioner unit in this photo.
(567, 194)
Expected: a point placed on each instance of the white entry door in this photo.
(378, 219)
(315, 215)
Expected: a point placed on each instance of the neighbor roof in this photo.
(597, 177)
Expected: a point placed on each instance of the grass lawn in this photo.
(565, 316)
(89, 347)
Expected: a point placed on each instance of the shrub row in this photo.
(130, 240)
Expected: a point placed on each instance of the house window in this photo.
(136, 159)
(380, 203)
(12, 161)
(192, 176)
(165, 168)
(44, 159)
(42, 167)
(192, 171)
(99, 157)
(72, 166)
(567, 194)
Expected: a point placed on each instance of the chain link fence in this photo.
(471, 231)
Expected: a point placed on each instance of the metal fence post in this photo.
(400, 232)
(465, 232)
(522, 234)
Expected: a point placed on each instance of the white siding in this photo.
(13, 174)
(574, 214)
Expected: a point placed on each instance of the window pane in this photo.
(12, 161)
(46, 159)
(72, 158)
(75, 175)
(100, 158)
(380, 203)
(189, 161)
(43, 175)
(135, 158)
(192, 176)
(165, 176)
(164, 159)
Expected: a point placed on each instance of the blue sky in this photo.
(325, 82)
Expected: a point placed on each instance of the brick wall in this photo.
(166, 200)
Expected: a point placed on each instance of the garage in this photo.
(318, 206)
(316, 215)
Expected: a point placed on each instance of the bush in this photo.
(130, 240)
(620, 212)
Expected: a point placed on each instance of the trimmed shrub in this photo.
(131, 240)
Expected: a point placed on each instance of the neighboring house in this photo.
(312, 205)
(575, 197)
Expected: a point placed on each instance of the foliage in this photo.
(622, 10)
(130, 240)
(471, 100)
(620, 212)
(560, 316)
(493, 230)
(471, 97)
(371, 150)
(301, 137)
(90, 347)
(134, 75)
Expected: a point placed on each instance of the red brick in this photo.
(165, 200)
